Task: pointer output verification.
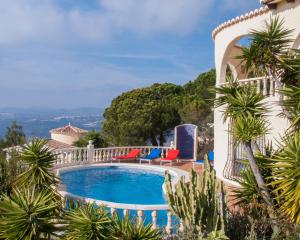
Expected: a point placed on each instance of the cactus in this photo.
(199, 203)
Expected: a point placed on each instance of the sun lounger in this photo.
(172, 156)
(132, 155)
(154, 154)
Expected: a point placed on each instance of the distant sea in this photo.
(39, 121)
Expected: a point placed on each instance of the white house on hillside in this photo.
(226, 37)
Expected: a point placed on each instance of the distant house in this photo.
(67, 134)
(61, 138)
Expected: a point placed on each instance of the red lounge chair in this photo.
(130, 156)
(171, 156)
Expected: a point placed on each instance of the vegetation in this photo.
(96, 137)
(148, 114)
(199, 204)
(271, 184)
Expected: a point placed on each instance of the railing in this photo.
(77, 156)
(264, 85)
(127, 209)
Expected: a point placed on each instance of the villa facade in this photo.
(226, 37)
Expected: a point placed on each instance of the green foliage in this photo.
(28, 214)
(248, 128)
(292, 103)
(267, 48)
(95, 136)
(149, 113)
(240, 101)
(142, 114)
(198, 205)
(14, 135)
(286, 176)
(39, 160)
(87, 221)
(9, 170)
(126, 229)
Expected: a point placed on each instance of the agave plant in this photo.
(87, 221)
(39, 160)
(127, 229)
(28, 214)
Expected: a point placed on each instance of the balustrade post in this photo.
(265, 86)
(271, 87)
(113, 211)
(140, 214)
(154, 219)
(258, 86)
(169, 227)
(126, 212)
(90, 152)
(181, 227)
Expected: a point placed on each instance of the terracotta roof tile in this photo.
(53, 144)
(68, 130)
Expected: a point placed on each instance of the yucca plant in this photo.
(286, 174)
(87, 221)
(28, 214)
(246, 111)
(130, 229)
(292, 103)
(39, 160)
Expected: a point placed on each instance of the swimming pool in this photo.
(119, 184)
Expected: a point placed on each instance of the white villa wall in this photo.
(65, 138)
(225, 39)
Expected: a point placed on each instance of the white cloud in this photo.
(152, 16)
(30, 20)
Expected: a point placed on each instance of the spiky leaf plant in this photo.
(28, 214)
(286, 175)
(127, 229)
(87, 221)
(292, 103)
(239, 101)
(39, 160)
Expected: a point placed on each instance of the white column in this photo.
(265, 88)
(154, 219)
(90, 152)
(140, 214)
(169, 227)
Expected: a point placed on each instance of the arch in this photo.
(226, 58)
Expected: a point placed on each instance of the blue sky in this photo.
(83, 53)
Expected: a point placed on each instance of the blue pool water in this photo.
(116, 184)
(119, 184)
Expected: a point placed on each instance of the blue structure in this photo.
(154, 154)
(186, 141)
(210, 157)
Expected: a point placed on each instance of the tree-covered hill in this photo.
(149, 113)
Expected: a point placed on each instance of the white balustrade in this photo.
(154, 219)
(264, 85)
(169, 227)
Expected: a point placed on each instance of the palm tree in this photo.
(28, 214)
(270, 54)
(246, 110)
(39, 160)
(87, 221)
